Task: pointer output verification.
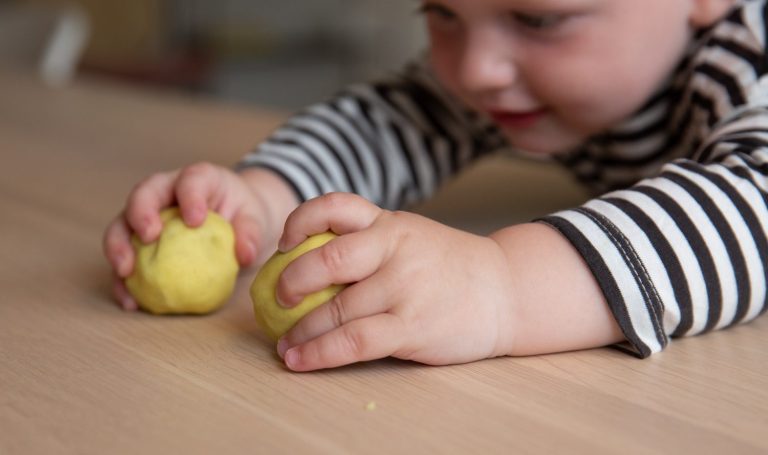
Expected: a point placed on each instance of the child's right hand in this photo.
(240, 198)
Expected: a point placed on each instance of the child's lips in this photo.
(517, 119)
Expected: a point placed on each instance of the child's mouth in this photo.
(517, 119)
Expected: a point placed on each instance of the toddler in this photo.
(660, 106)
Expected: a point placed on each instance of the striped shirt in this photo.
(678, 236)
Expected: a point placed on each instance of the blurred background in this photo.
(277, 53)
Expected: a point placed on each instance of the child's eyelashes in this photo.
(539, 21)
(535, 24)
(533, 21)
(436, 11)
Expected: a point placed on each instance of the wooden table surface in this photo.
(78, 375)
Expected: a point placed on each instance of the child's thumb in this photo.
(248, 238)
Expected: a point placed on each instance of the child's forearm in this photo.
(558, 305)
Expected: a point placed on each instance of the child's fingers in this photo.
(142, 211)
(358, 301)
(197, 190)
(345, 259)
(117, 247)
(341, 213)
(124, 298)
(248, 238)
(370, 338)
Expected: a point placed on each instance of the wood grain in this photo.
(78, 375)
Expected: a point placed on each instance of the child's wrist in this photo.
(274, 208)
(508, 314)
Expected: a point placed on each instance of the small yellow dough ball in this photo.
(273, 318)
(187, 270)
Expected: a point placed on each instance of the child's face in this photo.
(553, 72)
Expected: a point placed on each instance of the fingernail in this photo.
(292, 358)
(148, 233)
(195, 217)
(282, 346)
(129, 304)
(281, 302)
(281, 245)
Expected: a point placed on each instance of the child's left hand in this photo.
(422, 291)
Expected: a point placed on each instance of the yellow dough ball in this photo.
(187, 270)
(273, 318)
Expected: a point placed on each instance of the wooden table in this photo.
(78, 375)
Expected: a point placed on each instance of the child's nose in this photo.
(487, 65)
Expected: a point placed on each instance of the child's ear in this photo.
(706, 12)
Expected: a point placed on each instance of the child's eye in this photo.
(539, 21)
(437, 11)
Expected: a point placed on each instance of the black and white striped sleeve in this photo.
(682, 253)
(392, 142)
(686, 251)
